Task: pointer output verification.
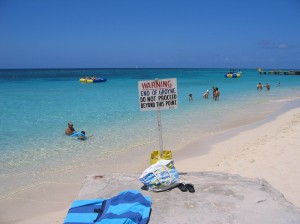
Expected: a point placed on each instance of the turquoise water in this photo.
(37, 104)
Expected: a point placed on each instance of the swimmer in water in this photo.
(205, 95)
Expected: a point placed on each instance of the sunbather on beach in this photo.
(70, 129)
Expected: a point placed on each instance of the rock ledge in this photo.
(219, 198)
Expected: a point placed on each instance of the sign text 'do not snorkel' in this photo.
(160, 94)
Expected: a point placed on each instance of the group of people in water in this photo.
(70, 131)
(216, 94)
(259, 86)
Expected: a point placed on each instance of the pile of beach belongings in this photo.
(128, 207)
(160, 176)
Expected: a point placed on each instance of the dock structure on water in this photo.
(278, 71)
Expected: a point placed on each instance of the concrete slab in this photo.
(219, 198)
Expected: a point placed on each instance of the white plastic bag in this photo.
(160, 176)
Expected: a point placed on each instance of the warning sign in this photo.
(160, 94)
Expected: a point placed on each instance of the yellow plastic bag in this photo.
(166, 154)
(155, 156)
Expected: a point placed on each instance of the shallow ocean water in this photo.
(37, 104)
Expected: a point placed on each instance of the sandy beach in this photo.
(268, 149)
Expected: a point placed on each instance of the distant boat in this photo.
(92, 80)
(100, 80)
(233, 74)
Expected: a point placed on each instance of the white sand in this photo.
(270, 151)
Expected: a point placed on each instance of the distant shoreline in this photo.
(141, 68)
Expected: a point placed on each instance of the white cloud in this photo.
(283, 46)
(270, 44)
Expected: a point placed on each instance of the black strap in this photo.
(99, 211)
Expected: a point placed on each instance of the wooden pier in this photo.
(278, 72)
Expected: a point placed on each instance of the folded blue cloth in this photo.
(128, 207)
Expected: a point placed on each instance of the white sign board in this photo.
(160, 94)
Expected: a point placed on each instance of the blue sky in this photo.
(146, 34)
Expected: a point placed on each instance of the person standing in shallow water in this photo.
(205, 95)
(259, 86)
(70, 129)
(213, 90)
(216, 94)
(190, 97)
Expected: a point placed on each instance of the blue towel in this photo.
(128, 207)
